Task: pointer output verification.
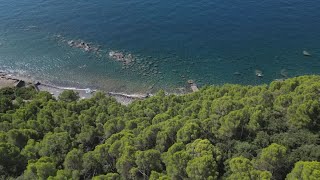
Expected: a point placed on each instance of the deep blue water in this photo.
(171, 41)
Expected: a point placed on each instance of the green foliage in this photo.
(19, 137)
(65, 175)
(5, 104)
(242, 168)
(148, 161)
(13, 93)
(40, 169)
(204, 167)
(158, 176)
(11, 162)
(190, 131)
(305, 170)
(110, 176)
(69, 96)
(73, 160)
(220, 132)
(7, 92)
(271, 157)
(55, 145)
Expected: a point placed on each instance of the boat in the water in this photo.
(259, 73)
(306, 53)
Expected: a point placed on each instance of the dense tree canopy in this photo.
(221, 132)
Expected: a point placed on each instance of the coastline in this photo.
(16, 80)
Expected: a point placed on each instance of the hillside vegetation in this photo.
(221, 132)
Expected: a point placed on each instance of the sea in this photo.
(169, 42)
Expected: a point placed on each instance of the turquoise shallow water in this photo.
(171, 41)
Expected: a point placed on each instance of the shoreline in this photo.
(16, 80)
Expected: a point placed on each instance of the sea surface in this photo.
(171, 42)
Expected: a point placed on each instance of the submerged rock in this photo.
(116, 55)
(121, 57)
(71, 43)
(128, 59)
(83, 45)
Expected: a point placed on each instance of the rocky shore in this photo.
(8, 80)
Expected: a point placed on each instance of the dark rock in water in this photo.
(95, 49)
(116, 55)
(83, 45)
(87, 47)
(121, 57)
(129, 58)
(237, 73)
(306, 53)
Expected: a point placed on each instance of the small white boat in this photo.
(306, 53)
(259, 74)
